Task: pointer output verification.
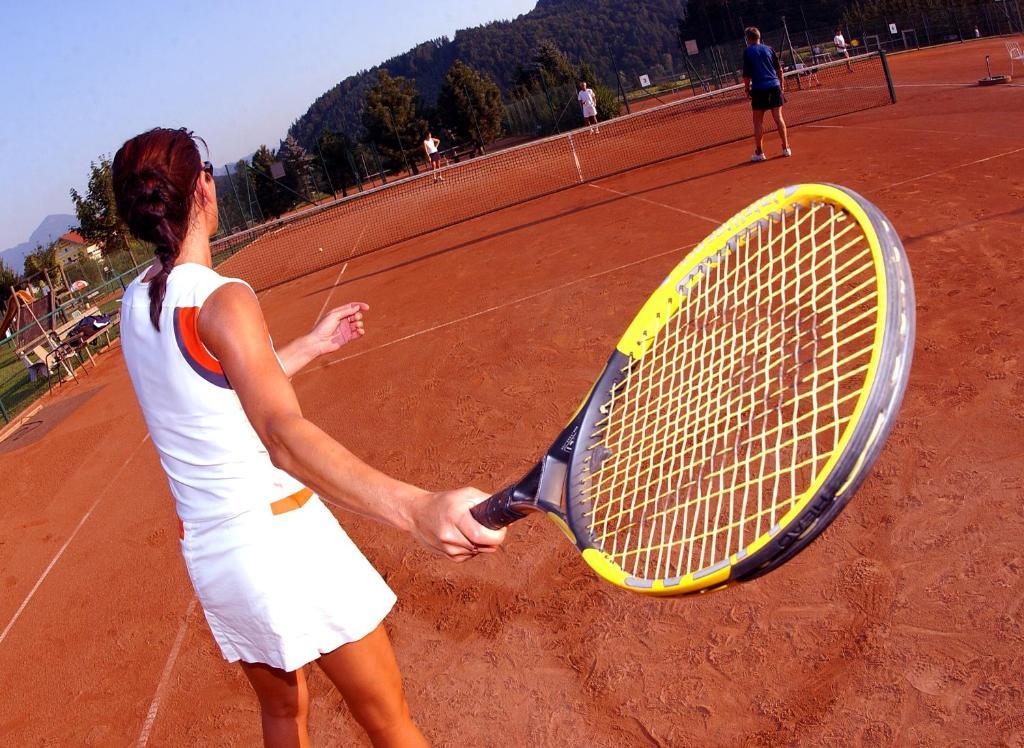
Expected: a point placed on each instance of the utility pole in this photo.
(539, 69)
(401, 147)
(231, 182)
(472, 112)
(327, 172)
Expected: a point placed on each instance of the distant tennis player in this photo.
(842, 48)
(762, 80)
(588, 103)
(430, 146)
(280, 582)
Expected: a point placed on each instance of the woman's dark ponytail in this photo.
(154, 176)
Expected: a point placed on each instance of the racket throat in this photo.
(542, 489)
(551, 485)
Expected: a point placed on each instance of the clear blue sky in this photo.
(78, 78)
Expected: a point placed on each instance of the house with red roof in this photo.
(72, 247)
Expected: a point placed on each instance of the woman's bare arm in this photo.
(232, 327)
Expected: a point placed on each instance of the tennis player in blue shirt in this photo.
(762, 79)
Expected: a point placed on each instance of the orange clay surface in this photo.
(901, 625)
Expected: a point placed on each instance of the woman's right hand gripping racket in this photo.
(743, 406)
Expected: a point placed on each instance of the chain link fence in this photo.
(710, 67)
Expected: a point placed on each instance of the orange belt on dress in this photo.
(281, 506)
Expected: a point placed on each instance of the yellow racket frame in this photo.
(557, 484)
(885, 251)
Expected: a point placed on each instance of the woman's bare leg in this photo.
(366, 674)
(284, 705)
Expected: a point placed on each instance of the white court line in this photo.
(161, 688)
(655, 202)
(960, 133)
(56, 558)
(935, 85)
(495, 308)
(951, 168)
(327, 301)
(952, 85)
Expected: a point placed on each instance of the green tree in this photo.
(298, 168)
(8, 279)
(230, 219)
(42, 260)
(86, 269)
(337, 150)
(96, 210)
(612, 34)
(470, 104)
(553, 64)
(273, 198)
(392, 119)
(242, 184)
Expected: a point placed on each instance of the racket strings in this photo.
(750, 442)
(865, 266)
(656, 438)
(740, 398)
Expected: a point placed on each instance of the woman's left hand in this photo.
(339, 326)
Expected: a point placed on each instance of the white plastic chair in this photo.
(1016, 55)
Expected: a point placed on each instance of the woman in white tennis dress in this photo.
(280, 582)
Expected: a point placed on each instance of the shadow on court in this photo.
(45, 420)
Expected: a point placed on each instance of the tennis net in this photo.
(322, 236)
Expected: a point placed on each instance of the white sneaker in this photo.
(758, 157)
(787, 152)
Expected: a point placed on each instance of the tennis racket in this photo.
(743, 406)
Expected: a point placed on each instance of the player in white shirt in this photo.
(588, 103)
(430, 144)
(841, 48)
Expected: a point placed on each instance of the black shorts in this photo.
(435, 158)
(769, 98)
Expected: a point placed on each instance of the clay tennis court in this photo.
(900, 625)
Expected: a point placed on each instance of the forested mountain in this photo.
(625, 35)
(632, 36)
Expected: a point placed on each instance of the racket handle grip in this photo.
(497, 512)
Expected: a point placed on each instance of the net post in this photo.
(4, 413)
(888, 75)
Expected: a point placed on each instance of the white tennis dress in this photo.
(279, 580)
